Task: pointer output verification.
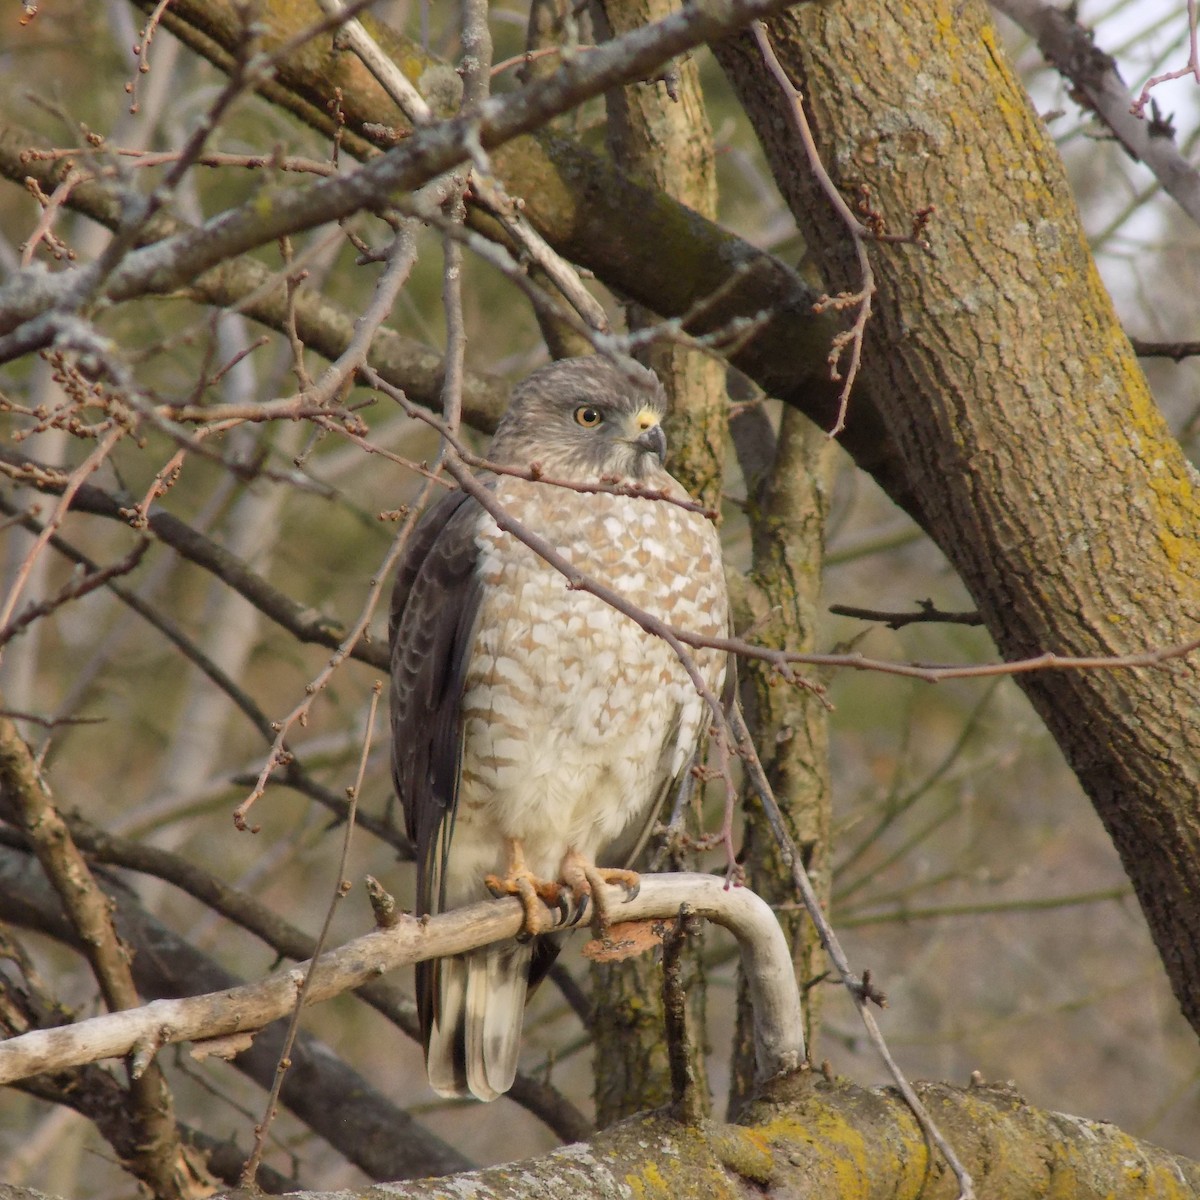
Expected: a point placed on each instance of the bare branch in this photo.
(161, 1161)
(415, 939)
(74, 589)
(1093, 74)
(1177, 351)
(31, 305)
(336, 1102)
(352, 34)
(300, 620)
(927, 614)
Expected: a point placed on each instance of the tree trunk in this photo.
(1043, 469)
(787, 514)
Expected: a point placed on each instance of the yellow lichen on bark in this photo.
(1030, 441)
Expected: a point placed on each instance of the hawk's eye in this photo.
(588, 416)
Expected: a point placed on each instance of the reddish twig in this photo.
(860, 233)
(159, 158)
(74, 589)
(1192, 67)
(141, 50)
(853, 337)
(51, 206)
(74, 481)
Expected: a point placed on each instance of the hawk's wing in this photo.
(435, 604)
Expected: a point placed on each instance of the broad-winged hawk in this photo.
(536, 729)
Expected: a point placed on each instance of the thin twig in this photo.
(401, 255)
(927, 613)
(250, 1170)
(279, 754)
(1192, 67)
(1096, 83)
(74, 482)
(902, 914)
(74, 589)
(859, 234)
(859, 988)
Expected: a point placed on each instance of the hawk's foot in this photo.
(585, 880)
(518, 880)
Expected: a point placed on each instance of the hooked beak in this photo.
(654, 440)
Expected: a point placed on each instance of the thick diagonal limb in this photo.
(518, 880)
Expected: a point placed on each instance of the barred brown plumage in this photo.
(536, 730)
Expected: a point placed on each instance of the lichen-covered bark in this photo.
(832, 1141)
(1043, 469)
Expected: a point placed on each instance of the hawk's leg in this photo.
(518, 880)
(585, 880)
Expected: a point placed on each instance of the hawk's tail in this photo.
(474, 1037)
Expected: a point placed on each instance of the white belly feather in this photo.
(574, 717)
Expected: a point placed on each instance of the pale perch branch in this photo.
(779, 1038)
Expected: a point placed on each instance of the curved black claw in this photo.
(584, 901)
(632, 890)
(563, 904)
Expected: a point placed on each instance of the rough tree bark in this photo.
(829, 1140)
(1040, 464)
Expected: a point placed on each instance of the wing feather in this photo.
(435, 604)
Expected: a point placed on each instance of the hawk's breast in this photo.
(574, 718)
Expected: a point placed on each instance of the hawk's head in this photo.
(585, 418)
